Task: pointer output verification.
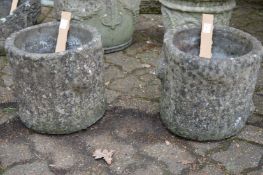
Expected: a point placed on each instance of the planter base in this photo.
(118, 48)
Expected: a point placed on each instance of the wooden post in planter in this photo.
(207, 36)
(14, 6)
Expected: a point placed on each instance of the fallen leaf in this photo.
(185, 162)
(105, 154)
(107, 83)
(167, 142)
(149, 42)
(146, 65)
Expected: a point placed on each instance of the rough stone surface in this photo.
(208, 99)
(180, 12)
(114, 19)
(150, 170)
(111, 96)
(258, 101)
(36, 168)
(253, 134)
(58, 93)
(175, 157)
(62, 156)
(7, 84)
(7, 114)
(14, 153)
(259, 172)
(125, 63)
(125, 85)
(136, 123)
(25, 15)
(207, 170)
(239, 157)
(203, 148)
(256, 120)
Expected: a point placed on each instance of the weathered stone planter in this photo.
(58, 93)
(203, 99)
(181, 12)
(114, 19)
(25, 15)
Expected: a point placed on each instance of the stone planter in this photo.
(114, 19)
(180, 12)
(57, 93)
(25, 15)
(208, 99)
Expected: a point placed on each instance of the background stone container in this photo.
(114, 19)
(58, 93)
(25, 15)
(180, 12)
(204, 99)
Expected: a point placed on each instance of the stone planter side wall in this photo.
(207, 101)
(62, 92)
(186, 12)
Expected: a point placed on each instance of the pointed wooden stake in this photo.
(207, 36)
(14, 6)
(63, 31)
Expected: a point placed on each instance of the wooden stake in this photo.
(14, 6)
(63, 31)
(207, 36)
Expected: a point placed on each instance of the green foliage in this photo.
(9, 110)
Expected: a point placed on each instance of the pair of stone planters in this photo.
(208, 99)
(114, 19)
(180, 12)
(25, 15)
(57, 93)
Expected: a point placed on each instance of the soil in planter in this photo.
(44, 41)
(225, 46)
(5, 7)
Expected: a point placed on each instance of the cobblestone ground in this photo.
(131, 125)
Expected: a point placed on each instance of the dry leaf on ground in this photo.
(167, 142)
(105, 154)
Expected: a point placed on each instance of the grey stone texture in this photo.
(25, 15)
(58, 93)
(132, 120)
(14, 153)
(180, 12)
(175, 158)
(7, 83)
(36, 168)
(205, 99)
(114, 19)
(253, 134)
(239, 156)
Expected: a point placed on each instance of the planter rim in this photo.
(200, 8)
(94, 43)
(256, 52)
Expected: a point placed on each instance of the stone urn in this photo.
(25, 15)
(57, 93)
(180, 12)
(203, 99)
(114, 19)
